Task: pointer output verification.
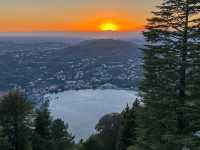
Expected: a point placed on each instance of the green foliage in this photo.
(50, 134)
(107, 131)
(170, 87)
(4, 143)
(42, 132)
(15, 120)
(132, 147)
(43, 121)
(24, 128)
(127, 130)
(91, 144)
(61, 138)
(115, 131)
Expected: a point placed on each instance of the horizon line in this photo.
(125, 31)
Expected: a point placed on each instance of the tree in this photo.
(50, 134)
(107, 131)
(16, 115)
(90, 144)
(4, 143)
(61, 138)
(127, 129)
(42, 131)
(170, 87)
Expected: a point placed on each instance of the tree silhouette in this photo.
(170, 87)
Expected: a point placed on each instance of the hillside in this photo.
(57, 67)
(104, 48)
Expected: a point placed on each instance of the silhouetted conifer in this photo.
(127, 130)
(16, 115)
(171, 85)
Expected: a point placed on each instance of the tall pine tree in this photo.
(171, 85)
(61, 138)
(42, 131)
(127, 129)
(16, 115)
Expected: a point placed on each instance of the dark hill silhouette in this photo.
(107, 48)
(52, 66)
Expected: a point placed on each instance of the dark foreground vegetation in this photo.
(168, 117)
(27, 127)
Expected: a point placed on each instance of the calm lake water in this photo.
(83, 108)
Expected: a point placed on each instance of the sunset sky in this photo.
(73, 15)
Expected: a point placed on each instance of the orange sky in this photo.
(72, 15)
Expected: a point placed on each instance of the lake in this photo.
(82, 109)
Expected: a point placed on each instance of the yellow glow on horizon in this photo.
(109, 26)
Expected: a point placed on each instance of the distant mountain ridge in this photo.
(104, 48)
(54, 67)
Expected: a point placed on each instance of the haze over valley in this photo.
(58, 63)
(84, 75)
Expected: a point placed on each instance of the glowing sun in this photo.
(109, 27)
